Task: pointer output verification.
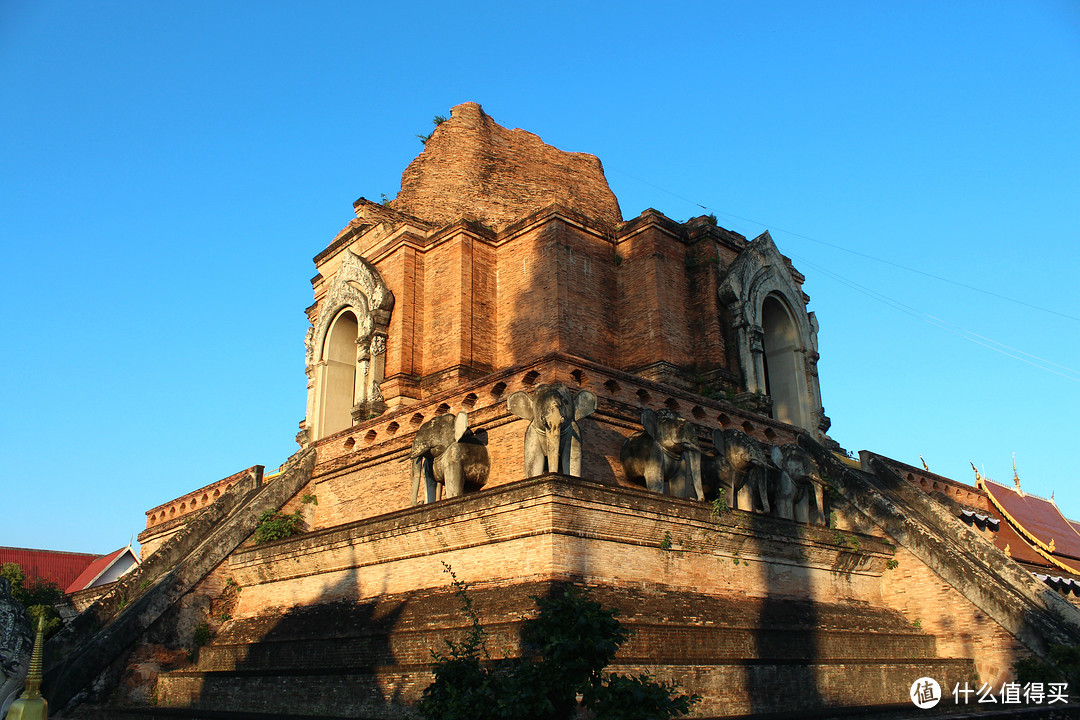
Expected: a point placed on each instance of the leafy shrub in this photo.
(567, 646)
(277, 526)
(202, 634)
(38, 598)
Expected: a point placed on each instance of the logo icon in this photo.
(925, 693)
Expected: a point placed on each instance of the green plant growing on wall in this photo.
(436, 121)
(665, 543)
(566, 648)
(892, 564)
(309, 499)
(277, 526)
(202, 634)
(719, 505)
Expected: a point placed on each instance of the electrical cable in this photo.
(856, 252)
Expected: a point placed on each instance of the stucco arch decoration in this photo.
(760, 272)
(358, 288)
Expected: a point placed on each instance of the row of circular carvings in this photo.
(184, 508)
(499, 390)
(943, 487)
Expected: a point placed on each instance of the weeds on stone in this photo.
(892, 564)
(277, 526)
(202, 634)
(566, 648)
(719, 505)
(665, 543)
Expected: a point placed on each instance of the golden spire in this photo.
(30, 705)
(1016, 477)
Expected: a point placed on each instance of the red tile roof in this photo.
(95, 570)
(1038, 519)
(57, 567)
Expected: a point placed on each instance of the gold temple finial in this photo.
(978, 477)
(30, 705)
(1008, 552)
(924, 465)
(1051, 545)
(1016, 476)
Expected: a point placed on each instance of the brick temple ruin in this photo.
(501, 278)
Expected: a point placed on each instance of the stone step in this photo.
(669, 642)
(731, 688)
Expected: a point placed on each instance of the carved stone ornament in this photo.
(356, 285)
(378, 345)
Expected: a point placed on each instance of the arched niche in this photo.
(338, 387)
(783, 353)
(775, 335)
(346, 350)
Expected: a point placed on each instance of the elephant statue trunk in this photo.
(798, 490)
(667, 454)
(553, 438)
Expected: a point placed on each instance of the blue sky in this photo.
(167, 172)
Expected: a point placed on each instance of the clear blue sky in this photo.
(168, 170)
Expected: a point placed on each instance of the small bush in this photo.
(719, 505)
(567, 645)
(202, 634)
(277, 526)
(665, 544)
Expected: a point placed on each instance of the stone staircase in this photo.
(372, 659)
(97, 636)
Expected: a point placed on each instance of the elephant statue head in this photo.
(553, 439)
(743, 466)
(798, 490)
(667, 452)
(446, 454)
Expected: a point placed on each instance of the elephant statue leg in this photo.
(818, 515)
(784, 489)
(451, 465)
(800, 509)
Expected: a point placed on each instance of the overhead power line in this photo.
(883, 261)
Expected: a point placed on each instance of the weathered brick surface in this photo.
(806, 652)
(472, 167)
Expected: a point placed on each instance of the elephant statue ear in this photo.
(777, 455)
(521, 405)
(461, 425)
(584, 404)
(718, 441)
(648, 421)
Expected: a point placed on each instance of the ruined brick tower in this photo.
(503, 271)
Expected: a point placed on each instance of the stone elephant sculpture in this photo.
(553, 439)
(798, 489)
(743, 466)
(445, 455)
(666, 453)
